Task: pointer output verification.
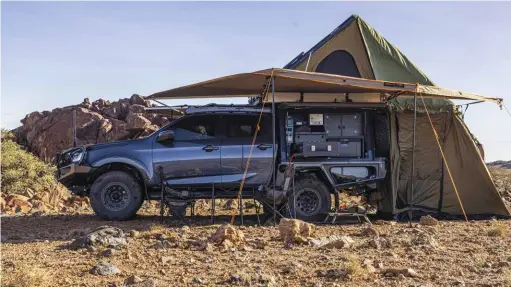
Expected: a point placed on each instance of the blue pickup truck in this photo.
(330, 148)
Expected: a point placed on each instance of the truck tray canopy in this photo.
(301, 83)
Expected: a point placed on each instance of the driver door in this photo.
(192, 158)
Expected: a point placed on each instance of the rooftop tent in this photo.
(356, 49)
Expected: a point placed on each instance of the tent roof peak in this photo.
(303, 55)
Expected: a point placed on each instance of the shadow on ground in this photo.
(62, 227)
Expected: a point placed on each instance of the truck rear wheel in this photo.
(311, 199)
(116, 195)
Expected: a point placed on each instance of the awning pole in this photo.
(410, 199)
(308, 61)
(274, 147)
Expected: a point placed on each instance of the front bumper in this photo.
(75, 177)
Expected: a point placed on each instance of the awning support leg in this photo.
(410, 197)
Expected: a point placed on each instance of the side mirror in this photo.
(165, 136)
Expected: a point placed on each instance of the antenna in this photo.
(74, 127)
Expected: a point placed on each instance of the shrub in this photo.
(22, 171)
(499, 229)
(30, 277)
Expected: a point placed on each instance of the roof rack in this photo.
(195, 109)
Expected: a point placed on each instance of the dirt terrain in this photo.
(37, 251)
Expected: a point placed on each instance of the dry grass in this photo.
(479, 259)
(506, 277)
(499, 229)
(30, 277)
(155, 230)
(354, 268)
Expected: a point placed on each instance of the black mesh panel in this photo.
(339, 62)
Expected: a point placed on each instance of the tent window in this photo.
(339, 62)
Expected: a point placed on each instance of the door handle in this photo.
(264, 146)
(209, 148)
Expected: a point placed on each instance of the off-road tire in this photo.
(381, 135)
(314, 187)
(124, 180)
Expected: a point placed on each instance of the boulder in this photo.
(425, 240)
(112, 130)
(295, 230)
(407, 272)
(333, 242)
(104, 269)
(18, 203)
(157, 119)
(104, 236)
(3, 203)
(117, 110)
(138, 100)
(86, 104)
(43, 196)
(428, 220)
(136, 121)
(108, 252)
(132, 280)
(227, 232)
(164, 244)
(138, 109)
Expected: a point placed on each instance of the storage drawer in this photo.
(320, 149)
(350, 149)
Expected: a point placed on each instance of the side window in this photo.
(244, 126)
(195, 128)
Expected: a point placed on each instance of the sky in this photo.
(55, 54)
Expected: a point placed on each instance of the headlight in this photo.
(76, 155)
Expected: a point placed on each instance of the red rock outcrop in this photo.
(45, 133)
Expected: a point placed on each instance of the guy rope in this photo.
(258, 127)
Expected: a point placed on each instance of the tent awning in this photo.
(293, 81)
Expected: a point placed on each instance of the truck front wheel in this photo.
(116, 195)
(311, 199)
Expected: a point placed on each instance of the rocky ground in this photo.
(502, 179)
(70, 250)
